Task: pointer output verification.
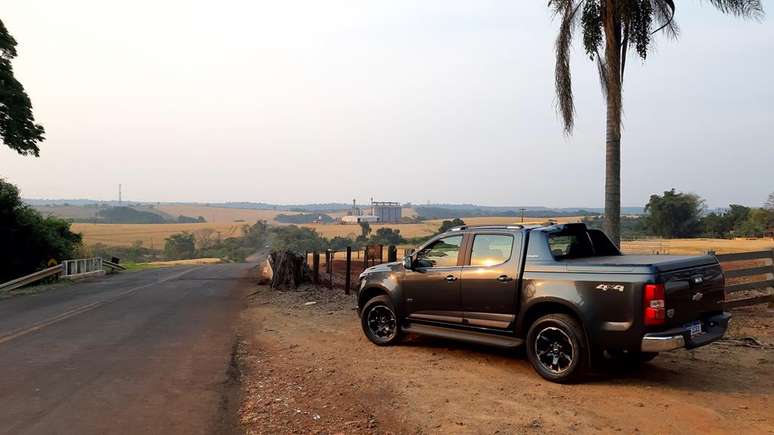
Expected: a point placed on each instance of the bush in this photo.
(190, 220)
(180, 246)
(296, 239)
(447, 225)
(127, 254)
(386, 236)
(29, 240)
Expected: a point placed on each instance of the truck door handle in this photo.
(451, 278)
(504, 278)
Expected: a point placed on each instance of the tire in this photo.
(557, 349)
(380, 322)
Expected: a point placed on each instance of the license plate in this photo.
(694, 327)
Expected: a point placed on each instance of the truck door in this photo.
(432, 288)
(490, 277)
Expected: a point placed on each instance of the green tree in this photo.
(28, 240)
(296, 239)
(675, 214)
(17, 124)
(449, 224)
(180, 246)
(758, 221)
(386, 236)
(339, 243)
(616, 26)
(727, 223)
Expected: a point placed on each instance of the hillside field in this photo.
(151, 235)
(696, 246)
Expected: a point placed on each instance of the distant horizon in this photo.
(60, 201)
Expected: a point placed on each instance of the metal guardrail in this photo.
(111, 265)
(82, 267)
(29, 279)
(68, 269)
(765, 284)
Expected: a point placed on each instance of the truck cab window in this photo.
(441, 253)
(491, 249)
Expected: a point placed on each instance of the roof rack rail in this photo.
(493, 227)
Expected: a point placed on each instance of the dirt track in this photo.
(308, 368)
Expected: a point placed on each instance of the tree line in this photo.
(680, 215)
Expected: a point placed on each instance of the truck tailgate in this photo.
(693, 292)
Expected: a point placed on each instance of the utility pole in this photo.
(522, 214)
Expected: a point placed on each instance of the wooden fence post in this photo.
(771, 276)
(392, 254)
(316, 267)
(348, 278)
(329, 266)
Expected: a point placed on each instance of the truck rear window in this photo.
(577, 242)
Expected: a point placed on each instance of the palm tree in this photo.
(620, 24)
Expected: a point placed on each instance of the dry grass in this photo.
(151, 235)
(192, 262)
(222, 215)
(696, 246)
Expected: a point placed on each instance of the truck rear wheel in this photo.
(556, 348)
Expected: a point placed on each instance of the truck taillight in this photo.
(654, 304)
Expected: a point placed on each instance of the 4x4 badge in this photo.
(606, 287)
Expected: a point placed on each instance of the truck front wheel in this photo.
(556, 348)
(379, 321)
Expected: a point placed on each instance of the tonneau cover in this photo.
(659, 263)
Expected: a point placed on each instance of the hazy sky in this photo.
(316, 101)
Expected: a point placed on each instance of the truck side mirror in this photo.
(408, 263)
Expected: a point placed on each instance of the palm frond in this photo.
(562, 74)
(664, 14)
(740, 8)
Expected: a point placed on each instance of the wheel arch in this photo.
(550, 305)
(371, 292)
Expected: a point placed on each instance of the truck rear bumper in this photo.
(679, 338)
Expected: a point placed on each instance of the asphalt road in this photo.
(140, 352)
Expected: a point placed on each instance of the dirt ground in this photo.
(308, 368)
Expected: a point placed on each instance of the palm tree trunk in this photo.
(612, 27)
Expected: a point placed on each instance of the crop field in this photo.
(696, 246)
(222, 215)
(151, 235)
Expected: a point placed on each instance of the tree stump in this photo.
(289, 270)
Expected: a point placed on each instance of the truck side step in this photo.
(469, 336)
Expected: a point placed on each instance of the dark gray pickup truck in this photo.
(564, 291)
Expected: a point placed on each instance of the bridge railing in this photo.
(82, 267)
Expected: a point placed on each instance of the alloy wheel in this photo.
(382, 323)
(554, 350)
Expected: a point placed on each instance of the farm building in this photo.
(386, 211)
(353, 219)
